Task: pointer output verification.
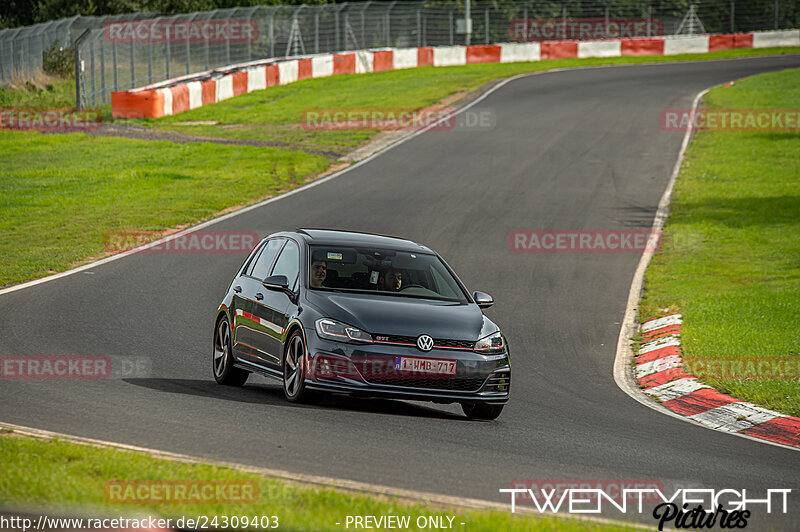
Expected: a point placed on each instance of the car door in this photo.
(272, 307)
(247, 325)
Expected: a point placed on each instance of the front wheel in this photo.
(294, 361)
(481, 410)
(222, 358)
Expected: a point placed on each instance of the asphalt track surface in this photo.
(579, 149)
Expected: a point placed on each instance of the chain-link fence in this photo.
(123, 52)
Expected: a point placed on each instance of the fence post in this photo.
(363, 33)
(525, 23)
(450, 23)
(272, 33)
(776, 14)
(114, 60)
(419, 28)
(133, 65)
(103, 64)
(206, 63)
(733, 14)
(250, 41)
(486, 23)
(91, 61)
(388, 24)
(468, 22)
(316, 30)
(77, 45)
(189, 43)
(167, 53)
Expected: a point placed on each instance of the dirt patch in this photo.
(118, 129)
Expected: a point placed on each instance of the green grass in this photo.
(64, 192)
(61, 194)
(48, 92)
(71, 477)
(731, 256)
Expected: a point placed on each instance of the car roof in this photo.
(353, 238)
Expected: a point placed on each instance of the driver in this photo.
(319, 270)
(391, 281)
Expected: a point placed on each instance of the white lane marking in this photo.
(344, 484)
(675, 389)
(661, 343)
(659, 364)
(658, 323)
(735, 417)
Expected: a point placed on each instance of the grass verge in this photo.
(74, 478)
(729, 261)
(60, 195)
(64, 193)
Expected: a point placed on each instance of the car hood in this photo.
(403, 316)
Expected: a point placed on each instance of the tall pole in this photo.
(467, 20)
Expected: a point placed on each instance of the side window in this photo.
(288, 264)
(260, 267)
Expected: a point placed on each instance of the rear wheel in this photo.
(222, 358)
(294, 361)
(481, 410)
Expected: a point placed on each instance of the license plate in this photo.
(425, 365)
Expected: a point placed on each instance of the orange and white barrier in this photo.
(189, 92)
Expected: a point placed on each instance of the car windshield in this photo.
(382, 271)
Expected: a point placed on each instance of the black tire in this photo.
(481, 410)
(222, 357)
(294, 364)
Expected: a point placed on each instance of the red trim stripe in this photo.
(784, 430)
(699, 401)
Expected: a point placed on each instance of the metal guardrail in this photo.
(128, 51)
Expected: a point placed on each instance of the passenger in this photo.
(391, 281)
(319, 270)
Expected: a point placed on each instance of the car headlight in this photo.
(341, 332)
(492, 344)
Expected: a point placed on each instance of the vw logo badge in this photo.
(425, 343)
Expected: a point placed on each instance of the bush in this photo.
(59, 61)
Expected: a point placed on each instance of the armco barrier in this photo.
(181, 94)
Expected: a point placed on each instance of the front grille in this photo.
(454, 384)
(412, 340)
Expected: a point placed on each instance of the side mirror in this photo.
(276, 282)
(483, 299)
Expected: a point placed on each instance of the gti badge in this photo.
(425, 343)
